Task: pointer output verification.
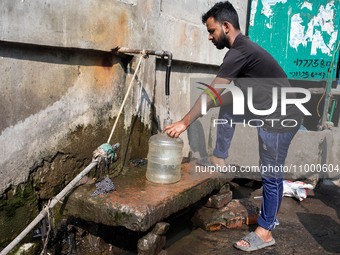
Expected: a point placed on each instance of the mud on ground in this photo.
(308, 227)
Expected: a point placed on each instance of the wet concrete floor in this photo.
(308, 227)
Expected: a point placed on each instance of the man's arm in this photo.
(175, 129)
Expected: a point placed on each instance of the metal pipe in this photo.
(167, 74)
(43, 213)
(158, 53)
(324, 120)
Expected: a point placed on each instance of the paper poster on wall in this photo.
(302, 35)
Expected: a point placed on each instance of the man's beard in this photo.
(222, 42)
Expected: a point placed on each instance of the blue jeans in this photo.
(273, 149)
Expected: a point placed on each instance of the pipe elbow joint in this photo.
(169, 55)
(166, 54)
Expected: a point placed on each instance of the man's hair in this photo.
(221, 12)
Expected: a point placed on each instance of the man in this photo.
(248, 65)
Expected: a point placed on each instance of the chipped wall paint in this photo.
(80, 89)
(319, 26)
(267, 6)
(132, 2)
(307, 5)
(305, 31)
(253, 12)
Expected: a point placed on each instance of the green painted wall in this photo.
(302, 35)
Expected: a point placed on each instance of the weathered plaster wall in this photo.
(61, 87)
(311, 152)
(58, 73)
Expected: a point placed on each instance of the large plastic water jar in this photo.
(164, 159)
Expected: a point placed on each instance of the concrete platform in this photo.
(137, 203)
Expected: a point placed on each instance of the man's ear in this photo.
(226, 27)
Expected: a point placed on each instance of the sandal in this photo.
(255, 243)
(205, 162)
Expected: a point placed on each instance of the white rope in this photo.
(139, 100)
(126, 96)
(57, 198)
(45, 241)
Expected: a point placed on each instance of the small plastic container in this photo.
(164, 159)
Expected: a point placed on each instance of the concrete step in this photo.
(139, 204)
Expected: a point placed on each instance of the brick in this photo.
(251, 219)
(219, 200)
(233, 215)
(151, 244)
(235, 222)
(213, 227)
(225, 188)
(160, 228)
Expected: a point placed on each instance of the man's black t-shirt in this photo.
(249, 65)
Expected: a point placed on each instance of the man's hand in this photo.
(175, 129)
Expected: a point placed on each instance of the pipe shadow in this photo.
(328, 193)
(61, 55)
(326, 234)
(324, 229)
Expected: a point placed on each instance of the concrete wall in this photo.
(59, 75)
(61, 88)
(310, 153)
